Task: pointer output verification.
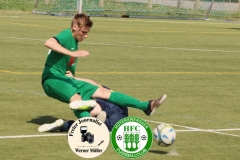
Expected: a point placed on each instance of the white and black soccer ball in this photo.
(119, 137)
(144, 137)
(164, 135)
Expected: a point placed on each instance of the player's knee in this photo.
(102, 93)
(75, 97)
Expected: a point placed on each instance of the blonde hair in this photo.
(82, 20)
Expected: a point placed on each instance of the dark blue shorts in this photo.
(114, 112)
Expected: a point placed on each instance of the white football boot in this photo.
(51, 127)
(82, 104)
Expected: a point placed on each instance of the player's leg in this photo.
(95, 112)
(98, 113)
(81, 113)
(114, 112)
(115, 97)
(64, 89)
(125, 100)
(88, 91)
(61, 125)
(82, 107)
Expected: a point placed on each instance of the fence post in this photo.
(149, 3)
(196, 4)
(79, 6)
(35, 6)
(178, 3)
(209, 9)
(101, 3)
(238, 5)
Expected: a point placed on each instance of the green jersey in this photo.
(57, 63)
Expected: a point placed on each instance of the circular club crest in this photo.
(88, 137)
(131, 137)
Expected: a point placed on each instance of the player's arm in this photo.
(53, 44)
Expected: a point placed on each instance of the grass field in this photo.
(196, 63)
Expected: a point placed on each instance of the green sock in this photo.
(125, 100)
(81, 114)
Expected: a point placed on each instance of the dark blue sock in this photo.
(66, 126)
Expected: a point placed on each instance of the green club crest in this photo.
(131, 137)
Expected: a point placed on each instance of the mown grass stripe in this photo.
(133, 73)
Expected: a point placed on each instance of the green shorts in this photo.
(63, 88)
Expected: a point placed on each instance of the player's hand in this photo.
(69, 74)
(79, 53)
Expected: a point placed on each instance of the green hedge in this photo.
(17, 5)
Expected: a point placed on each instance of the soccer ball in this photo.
(164, 135)
(119, 137)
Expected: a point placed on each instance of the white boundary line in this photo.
(32, 136)
(213, 130)
(191, 129)
(159, 47)
(123, 45)
(18, 38)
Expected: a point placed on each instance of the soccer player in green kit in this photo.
(58, 79)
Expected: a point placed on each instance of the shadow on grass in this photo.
(157, 152)
(235, 28)
(42, 119)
